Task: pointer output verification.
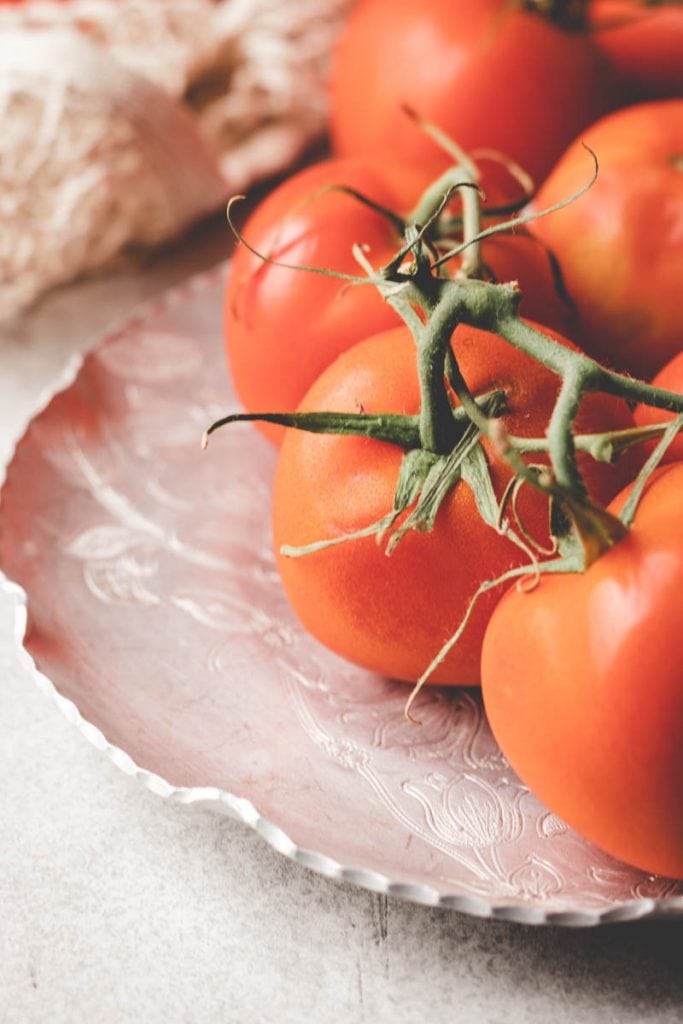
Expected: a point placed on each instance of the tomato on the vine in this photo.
(284, 326)
(671, 379)
(393, 613)
(583, 686)
(619, 244)
(489, 73)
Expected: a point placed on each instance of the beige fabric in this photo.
(125, 120)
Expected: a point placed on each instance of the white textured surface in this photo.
(118, 906)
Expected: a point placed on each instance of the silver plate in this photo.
(158, 624)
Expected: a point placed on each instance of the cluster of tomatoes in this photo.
(582, 672)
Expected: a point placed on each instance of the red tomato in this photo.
(643, 44)
(283, 327)
(619, 244)
(583, 685)
(392, 614)
(486, 72)
(670, 378)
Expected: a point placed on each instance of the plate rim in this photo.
(240, 808)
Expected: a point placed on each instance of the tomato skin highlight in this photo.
(619, 244)
(669, 377)
(393, 614)
(487, 74)
(583, 686)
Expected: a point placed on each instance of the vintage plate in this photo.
(158, 623)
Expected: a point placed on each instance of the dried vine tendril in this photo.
(442, 445)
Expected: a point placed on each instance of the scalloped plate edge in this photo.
(244, 810)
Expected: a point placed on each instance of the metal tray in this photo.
(157, 623)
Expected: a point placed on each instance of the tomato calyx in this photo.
(400, 430)
(424, 481)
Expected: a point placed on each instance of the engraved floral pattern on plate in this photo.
(155, 606)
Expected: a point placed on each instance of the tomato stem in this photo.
(670, 432)
(634, 390)
(605, 447)
(560, 432)
(517, 222)
(432, 304)
(436, 414)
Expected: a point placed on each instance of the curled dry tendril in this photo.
(442, 445)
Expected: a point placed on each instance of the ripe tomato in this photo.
(643, 44)
(392, 614)
(283, 327)
(583, 685)
(671, 378)
(619, 245)
(487, 72)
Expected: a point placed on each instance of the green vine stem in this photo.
(561, 435)
(522, 219)
(464, 176)
(490, 306)
(433, 305)
(670, 432)
(605, 447)
(442, 444)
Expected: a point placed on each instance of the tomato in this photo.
(670, 378)
(583, 686)
(643, 44)
(619, 244)
(392, 614)
(283, 327)
(489, 74)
